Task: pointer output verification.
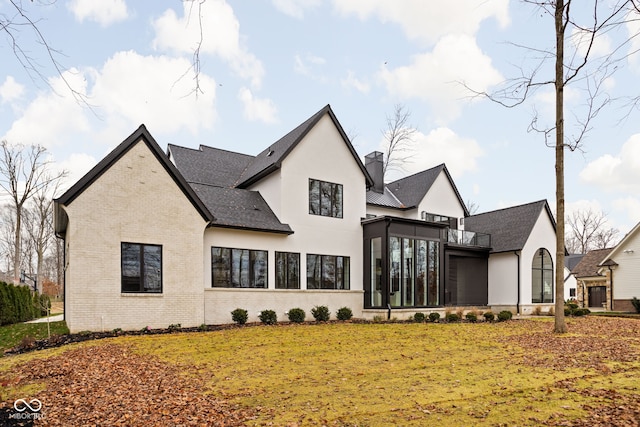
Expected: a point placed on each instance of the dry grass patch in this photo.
(384, 374)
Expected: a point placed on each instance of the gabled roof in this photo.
(510, 228)
(635, 232)
(271, 158)
(238, 208)
(141, 134)
(386, 199)
(208, 165)
(590, 263)
(410, 190)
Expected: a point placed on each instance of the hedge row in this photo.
(19, 304)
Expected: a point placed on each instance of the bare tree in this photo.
(472, 207)
(588, 230)
(399, 136)
(24, 171)
(580, 67)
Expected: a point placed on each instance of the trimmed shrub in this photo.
(344, 313)
(489, 316)
(472, 317)
(174, 327)
(240, 316)
(452, 317)
(636, 304)
(572, 305)
(537, 311)
(418, 317)
(296, 315)
(268, 317)
(321, 313)
(567, 311)
(504, 315)
(434, 317)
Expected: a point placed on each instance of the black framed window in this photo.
(542, 277)
(325, 198)
(287, 270)
(238, 268)
(328, 272)
(141, 268)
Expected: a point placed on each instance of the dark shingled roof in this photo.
(208, 165)
(510, 227)
(409, 191)
(271, 158)
(237, 208)
(590, 263)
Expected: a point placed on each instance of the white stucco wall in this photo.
(441, 199)
(135, 201)
(322, 155)
(570, 282)
(503, 279)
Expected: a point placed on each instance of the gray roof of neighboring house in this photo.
(510, 227)
(237, 208)
(570, 261)
(590, 263)
(408, 192)
(208, 165)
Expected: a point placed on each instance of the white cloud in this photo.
(616, 173)
(104, 12)
(442, 145)
(306, 65)
(351, 81)
(257, 109)
(10, 90)
(52, 116)
(581, 41)
(629, 206)
(295, 8)
(220, 36)
(143, 89)
(437, 76)
(633, 29)
(76, 165)
(428, 21)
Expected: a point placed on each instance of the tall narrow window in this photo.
(287, 270)
(542, 277)
(238, 268)
(325, 198)
(328, 272)
(141, 268)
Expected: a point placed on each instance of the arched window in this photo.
(542, 277)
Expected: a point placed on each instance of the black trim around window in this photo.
(287, 270)
(325, 198)
(328, 272)
(238, 268)
(141, 268)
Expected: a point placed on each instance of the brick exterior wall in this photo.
(134, 201)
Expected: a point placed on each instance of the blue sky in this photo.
(266, 66)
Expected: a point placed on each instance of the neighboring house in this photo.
(570, 282)
(187, 236)
(623, 265)
(593, 282)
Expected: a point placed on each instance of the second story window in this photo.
(325, 198)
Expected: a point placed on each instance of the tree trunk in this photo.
(560, 324)
(16, 247)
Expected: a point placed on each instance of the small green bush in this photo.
(344, 313)
(567, 311)
(321, 313)
(296, 315)
(418, 317)
(268, 317)
(203, 327)
(174, 327)
(434, 317)
(489, 316)
(452, 317)
(472, 317)
(240, 316)
(504, 315)
(572, 305)
(378, 319)
(636, 304)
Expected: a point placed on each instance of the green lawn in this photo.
(511, 373)
(12, 335)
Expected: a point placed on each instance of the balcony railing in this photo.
(467, 238)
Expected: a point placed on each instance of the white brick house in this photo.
(186, 236)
